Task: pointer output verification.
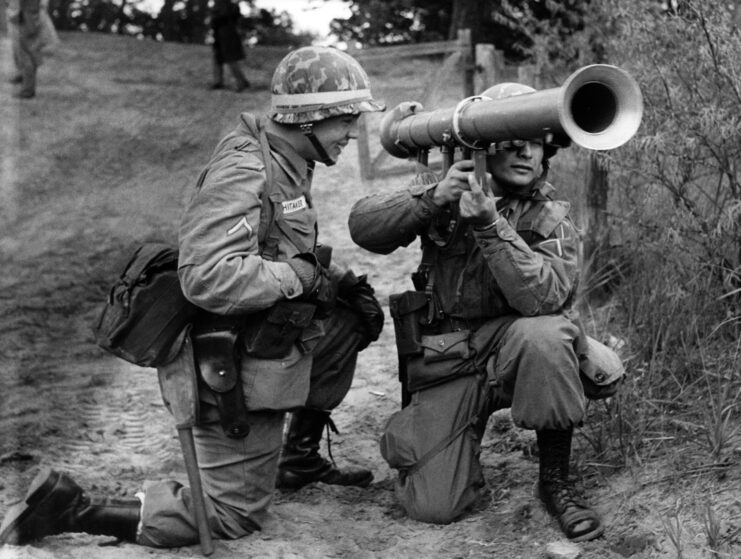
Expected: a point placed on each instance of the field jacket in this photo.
(225, 266)
(221, 266)
(526, 265)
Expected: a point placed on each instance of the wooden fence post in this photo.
(467, 62)
(486, 71)
(364, 156)
(526, 75)
(597, 231)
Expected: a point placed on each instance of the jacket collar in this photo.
(295, 166)
(513, 204)
(542, 190)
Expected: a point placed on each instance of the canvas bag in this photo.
(434, 443)
(146, 312)
(145, 316)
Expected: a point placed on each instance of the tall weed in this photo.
(673, 272)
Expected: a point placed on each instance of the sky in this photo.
(309, 15)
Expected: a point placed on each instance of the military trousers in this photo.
(532, 368)
(238, 475)
(527, 364)
(530, 364)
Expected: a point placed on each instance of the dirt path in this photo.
(104, 157)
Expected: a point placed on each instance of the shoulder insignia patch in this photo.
(550, 216)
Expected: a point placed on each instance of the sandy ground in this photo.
(104, 157)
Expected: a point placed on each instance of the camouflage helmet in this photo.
(314, 83)
(510, 89)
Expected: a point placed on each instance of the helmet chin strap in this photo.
(308, 131)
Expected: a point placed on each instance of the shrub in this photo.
(675, 210)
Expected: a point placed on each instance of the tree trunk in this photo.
(597, 235)
(123, 19)
(469, 14)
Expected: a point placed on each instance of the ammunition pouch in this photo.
(447, 346)
(219, 341)
(444, 357)
(271, 334)
(430, 352)
(219, 365)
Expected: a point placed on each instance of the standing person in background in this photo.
(227, 47)
(49, 37)
(24, 26)
(250, 259)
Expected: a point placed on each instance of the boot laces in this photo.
(330, 425)
(563, 494)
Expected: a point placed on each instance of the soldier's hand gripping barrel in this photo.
(598, 107)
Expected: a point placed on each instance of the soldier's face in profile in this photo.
(516, 164)
(335, 133)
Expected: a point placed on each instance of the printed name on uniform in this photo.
(291, 206)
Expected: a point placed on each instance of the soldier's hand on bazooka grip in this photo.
(478, 206)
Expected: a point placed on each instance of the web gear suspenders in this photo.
(216, 336)
(271, 214)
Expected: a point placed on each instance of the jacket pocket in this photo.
(442, 347)
(276, 384)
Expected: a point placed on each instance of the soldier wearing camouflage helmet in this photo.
(314, 84)
(250, 258)
(490, 325)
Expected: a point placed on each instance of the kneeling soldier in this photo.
(281, 327)
(489, 326)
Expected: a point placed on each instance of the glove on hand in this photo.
(359, 295)
(405, 109)
(318, 286)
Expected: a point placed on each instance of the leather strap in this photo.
(271, 218)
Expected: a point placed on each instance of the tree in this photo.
(176, 20)
(268, 27)
(504, 23)
(676, 187)
(183, 21)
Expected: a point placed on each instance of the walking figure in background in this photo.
(489, 326)
(49, 36)
(227, 46)
(24, 27)
(280, 330)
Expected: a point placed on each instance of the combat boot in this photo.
(577, 520)
(55, 504)
(301, 463)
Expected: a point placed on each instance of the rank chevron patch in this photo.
(241, 223)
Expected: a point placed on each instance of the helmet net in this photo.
(315, 83)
